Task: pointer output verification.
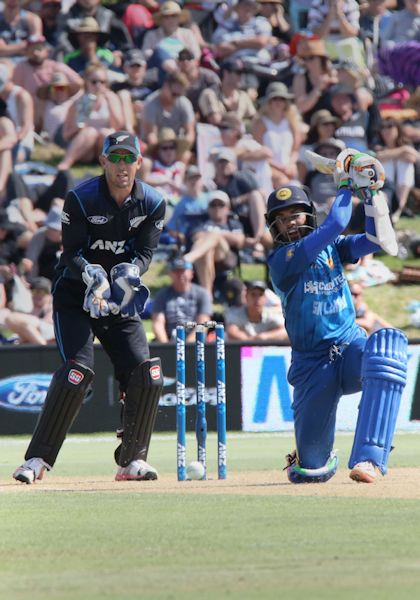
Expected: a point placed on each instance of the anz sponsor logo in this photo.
(117, 247)
(98, 220)
(24, 393)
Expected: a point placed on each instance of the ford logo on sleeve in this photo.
(24, 393)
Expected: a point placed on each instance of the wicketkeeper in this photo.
(331, 355)
(111, 227)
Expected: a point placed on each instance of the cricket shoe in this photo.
(364, 472)
(137, 470)
(31, 470)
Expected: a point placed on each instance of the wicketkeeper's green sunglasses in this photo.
(115, 158)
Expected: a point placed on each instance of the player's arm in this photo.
(75, 234)
(149, 233)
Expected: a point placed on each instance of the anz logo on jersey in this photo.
(117, 247)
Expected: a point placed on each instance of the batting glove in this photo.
(128, 293)
(358, 171)
(97, 292)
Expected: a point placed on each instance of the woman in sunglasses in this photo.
(90, 118)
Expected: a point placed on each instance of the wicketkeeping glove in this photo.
(97, 292)
(358, 171)
(128, 293)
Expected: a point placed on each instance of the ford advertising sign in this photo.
(24, 393)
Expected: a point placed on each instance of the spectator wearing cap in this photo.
(45, 247)
(354, 129)
(20, 108)
(169, 107)
(16, 26)
(192, 205)
(241, 186)
(229, 98)
(250, 154)
(246, 35)
(179, 302)
(199, 78)
(50, 16)
(133, 90)
(37, 69)
(163, 167)
(278, 126)
(213, 245)
(365, 317)
(118, 37)
(310, 86)
(54, 101)
(43, 307)
(169, 35)
(321, 186)
(254, 320)
(88, 42)
(91, 118)
(322, 127)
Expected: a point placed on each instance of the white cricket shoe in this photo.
(31, 470)
(137, 470)
(364, 472)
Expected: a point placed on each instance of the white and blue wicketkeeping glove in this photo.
(98, 291)
(128, 294)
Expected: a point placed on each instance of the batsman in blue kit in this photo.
(331, 355)
(111, 226)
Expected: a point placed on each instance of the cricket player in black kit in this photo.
(111, 227)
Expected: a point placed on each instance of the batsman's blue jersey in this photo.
(309, 279)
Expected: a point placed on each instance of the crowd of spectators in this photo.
(225, 96)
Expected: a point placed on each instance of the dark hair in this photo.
(401, 138)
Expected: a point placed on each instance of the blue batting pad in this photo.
(384, 373)
(297, 474)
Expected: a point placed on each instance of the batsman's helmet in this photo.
(284, 197)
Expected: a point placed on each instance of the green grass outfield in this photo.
(260, 537)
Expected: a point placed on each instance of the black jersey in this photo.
(97, 231)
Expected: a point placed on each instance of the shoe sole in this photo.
(361, 476)
(23, 479)
(147, 477)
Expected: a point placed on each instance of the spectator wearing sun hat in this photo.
(55, 99)
(311, 86)
(169, 35)
(278, 126)
(118, 38)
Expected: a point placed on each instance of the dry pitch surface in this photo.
(399, 483)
